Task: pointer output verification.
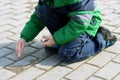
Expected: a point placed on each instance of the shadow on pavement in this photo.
(32, 55)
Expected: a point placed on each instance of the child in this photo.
(74, 27)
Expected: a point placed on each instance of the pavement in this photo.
(35, 64)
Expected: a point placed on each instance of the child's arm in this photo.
(80, 21)
(32, 28)
(29, 32)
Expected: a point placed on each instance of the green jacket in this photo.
(83, 15)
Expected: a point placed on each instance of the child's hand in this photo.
(19, 46)
(47, 41)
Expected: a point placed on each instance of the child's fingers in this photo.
(47, 43)
(46, 37)
(43, 40)
(44, 43)
(22, 45)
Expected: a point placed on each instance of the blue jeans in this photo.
(81, 48)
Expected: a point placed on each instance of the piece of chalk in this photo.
(43, 40)
(19, 51)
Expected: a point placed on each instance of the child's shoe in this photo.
(108, 37)
(51, 50)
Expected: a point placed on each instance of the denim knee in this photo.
(68, 54)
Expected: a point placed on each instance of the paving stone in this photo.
(94, 78)
(5, 74)
(26, 51)
(26, 48)
(115, 22)
(5, 28)
(109, 71)
(104, 22)
(82, 73)
(115, 7)
(102, 7)
(34, 1)
(117, 30)
(63, 79)
(73, 65)
(2, 8)
(5, 11)
(114, 48)
(15, 37)
(37, 45)
(117, 11)
(12, 46)
(117, 78)
(55, 74)
(3, 22)
(111, 17)
(21, 11)
(28, 74)
(5, 17)
(22, 16)
(20, 3)
(9, 21)
(41, 54)
(19, 7)
(112, 2)
(106, 11)
(19, 26)
(4, 35)
(4, 52)
(4, 62)
(102, 58)
(17, 69)
(5, 42)
(24, 62)
(117, 59)
(49, 62)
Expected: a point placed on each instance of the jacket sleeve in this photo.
(77, 25)
(32, 28)
(81, 13)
